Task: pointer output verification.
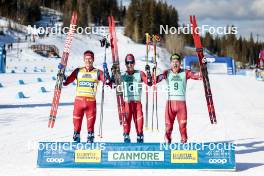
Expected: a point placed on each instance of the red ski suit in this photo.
(134, 110)
(85, 103)
(176, 108)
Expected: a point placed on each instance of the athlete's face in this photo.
(88, 61)
(130, 66)
(175, 65)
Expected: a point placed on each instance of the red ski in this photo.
(117, 73)
(203, 68)
(61, 72)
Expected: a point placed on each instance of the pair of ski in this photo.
(203, 69)
(154, 39)
(61, 72)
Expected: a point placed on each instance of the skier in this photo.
(87, 78)
(176, 79)
(132, 89)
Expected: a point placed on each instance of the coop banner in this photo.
(136, 156)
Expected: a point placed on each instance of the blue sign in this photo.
(137, 156)
(189, 60)
(2, 58)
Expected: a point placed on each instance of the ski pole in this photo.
(104, 44)
(148, 73)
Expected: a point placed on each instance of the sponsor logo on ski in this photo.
(55, 160)
(210, 59)
(136, 156)
(217, 161)
(184, 156)
(87, 156)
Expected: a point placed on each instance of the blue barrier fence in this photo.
(137, 156)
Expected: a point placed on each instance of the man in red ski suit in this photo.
(176, 79)
(132, 90)
(87, 78)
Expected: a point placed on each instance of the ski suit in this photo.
(132, 84)
(176, 105)
(85, 100)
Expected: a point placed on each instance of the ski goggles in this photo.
(130, 62)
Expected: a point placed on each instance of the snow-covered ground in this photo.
(23, 122)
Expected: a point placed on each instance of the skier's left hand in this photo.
(106, 73)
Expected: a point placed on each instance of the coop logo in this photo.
(210, 59)
(86, 84)
(55, 160)
(217, 161)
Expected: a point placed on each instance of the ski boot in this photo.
(140, 138)
(167, 139)
(183, 141)
(76, 137)
(126, 138)
(90, 137)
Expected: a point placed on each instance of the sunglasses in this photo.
(130, 62)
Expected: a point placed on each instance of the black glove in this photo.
(149, 77)
(113, 71)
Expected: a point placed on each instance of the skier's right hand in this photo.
(64, 80)
(147, 68)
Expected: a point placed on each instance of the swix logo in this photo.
(55, 160)
(69, 39)
(86, 84)
(217, 161)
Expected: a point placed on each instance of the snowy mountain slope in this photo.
(23, 122)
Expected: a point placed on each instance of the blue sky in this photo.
(247, 15)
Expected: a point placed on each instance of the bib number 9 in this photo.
(176, 86)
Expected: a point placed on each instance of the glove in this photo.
(113, 71)
(105, 66)
(106, 73)
(103, 42)
(149, 77)
(64, 80)
(147, 68)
